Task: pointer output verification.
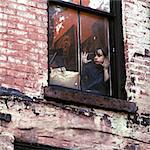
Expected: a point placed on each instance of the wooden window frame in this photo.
(117, 61)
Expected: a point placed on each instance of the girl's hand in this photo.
(106, 66)
(84, 59)
(106, 63)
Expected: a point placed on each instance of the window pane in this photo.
(63, 47)
(94, 56)
(103, 5)
(72, 1)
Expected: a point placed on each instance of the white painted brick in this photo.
(22, 8)
(26, 14)
(3, 23)
(3, 16)
(23, 2)
(21, 26)
(2, 30)
(3, 57)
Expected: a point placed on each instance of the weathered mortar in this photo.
(23, 27)
(23, 66)
(6, 141)
(40, 122)
(136, 26)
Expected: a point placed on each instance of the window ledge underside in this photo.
(76, 97)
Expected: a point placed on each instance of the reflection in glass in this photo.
(94, 56)
(103, 5)
(63, 47)
(73, 34)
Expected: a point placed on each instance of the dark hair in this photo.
(96, 51)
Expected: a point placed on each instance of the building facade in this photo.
(28, 117)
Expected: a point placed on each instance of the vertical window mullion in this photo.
(117, 52)
(79, 45)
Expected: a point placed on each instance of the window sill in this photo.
(66, 95)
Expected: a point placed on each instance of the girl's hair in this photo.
(97, 52)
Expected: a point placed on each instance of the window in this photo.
(86, 56)
(86, 47)
(34, 146)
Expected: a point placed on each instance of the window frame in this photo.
(117, 60)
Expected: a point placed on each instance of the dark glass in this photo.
(103, 5)
(63, 47)
(94, 32)
(95, 51)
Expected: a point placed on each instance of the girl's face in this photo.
(99, 57)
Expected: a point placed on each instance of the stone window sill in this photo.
(70, 96)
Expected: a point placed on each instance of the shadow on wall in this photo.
(13, 92)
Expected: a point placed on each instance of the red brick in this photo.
(29, 84)
(19, 82)
(3, 43)
(9, 80)
(11, 52)
(33, 36)
(16, 74)
(2, 71)
(42, 5)
(9, 11)
(3, 50)
(2, 79)
(17, 46)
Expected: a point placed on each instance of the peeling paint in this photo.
(119, 125)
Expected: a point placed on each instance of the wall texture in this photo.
(136, 25)
(23, 45)
(23, 66)
(73, 127)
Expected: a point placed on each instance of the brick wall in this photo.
(23, 65)
(23, 45)
(136, 25)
